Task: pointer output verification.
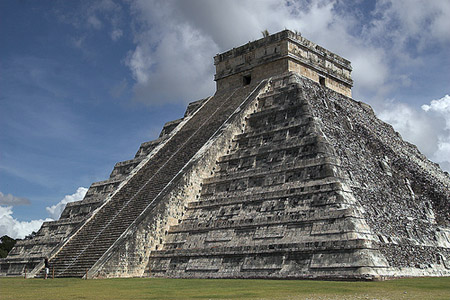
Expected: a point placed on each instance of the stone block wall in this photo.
(281, 53)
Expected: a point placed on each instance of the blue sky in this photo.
(83, 83)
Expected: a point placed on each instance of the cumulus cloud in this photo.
(56, 210)
(428, 128)
(15, 228)
(440, 109)
(410, 34)
(176, 40)
(12, 200)
(414, 125)
(19, 229)
(172, 60)
(407, 23)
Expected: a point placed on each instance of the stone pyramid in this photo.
(280, 174)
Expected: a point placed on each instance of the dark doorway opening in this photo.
(247, 79)
(322, 80)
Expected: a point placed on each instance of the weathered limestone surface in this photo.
(280, 53)
(278, 175)
(405, 197)
(310, 190)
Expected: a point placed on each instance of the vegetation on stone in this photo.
(6, 244)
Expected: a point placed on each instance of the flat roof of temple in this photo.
(278, 37)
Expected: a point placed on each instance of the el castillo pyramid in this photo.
(280, 174)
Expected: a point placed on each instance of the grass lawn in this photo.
(156, 288)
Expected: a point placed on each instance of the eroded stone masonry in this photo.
(280, 174)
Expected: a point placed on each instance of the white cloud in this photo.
(391, 38)
(172, 60)
(428, 128)
(422, 23)
(56, 210)
(19, 229)
(413, 125)
(409, 36)
(105, 13)
(12, 200)
(14, 228)
(140, 64)
(440, 109)
(229, 23)
(176, 40)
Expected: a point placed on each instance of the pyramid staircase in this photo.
(139, 192)
(282, 203)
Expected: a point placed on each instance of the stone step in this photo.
(287, 189)
(299, 247)
(320, 163)
(295, 128)
(286, 145)
(284, 218)
(124, 207)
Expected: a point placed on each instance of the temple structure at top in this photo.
(280, 53)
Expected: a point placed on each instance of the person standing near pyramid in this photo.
(47, 267)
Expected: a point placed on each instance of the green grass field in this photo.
(144, 288)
